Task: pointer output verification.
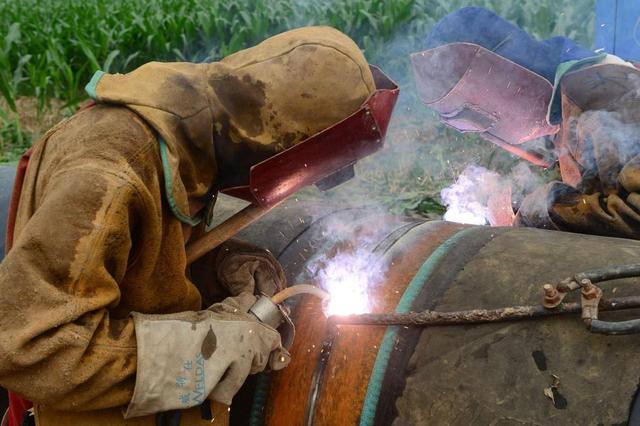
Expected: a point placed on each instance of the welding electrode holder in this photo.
(274, 315)
(268, 312)
(273, 312)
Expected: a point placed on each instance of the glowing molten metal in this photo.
(348, 277)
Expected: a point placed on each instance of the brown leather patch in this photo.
(209, 344)
(243, 98)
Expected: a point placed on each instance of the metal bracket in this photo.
(590, 300)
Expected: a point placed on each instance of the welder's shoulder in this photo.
(103, 136)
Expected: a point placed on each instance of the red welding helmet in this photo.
(327, 158)
(477, 91)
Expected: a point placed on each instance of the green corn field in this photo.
(51, 48)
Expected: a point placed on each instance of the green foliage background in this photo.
(51, 48)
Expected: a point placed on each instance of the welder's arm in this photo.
(59, 345)
(559, 206)
(187, 357)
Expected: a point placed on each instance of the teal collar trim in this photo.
(168, 187)
(91, 87)
(554, 113)
(374, 388)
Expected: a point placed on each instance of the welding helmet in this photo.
(299, 108)
(322, 108)
(326, 159)
(484, 75)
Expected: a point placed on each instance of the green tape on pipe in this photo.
(374, 387)
(260, 395)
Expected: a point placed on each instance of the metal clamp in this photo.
(274, 315)
(591, 298)
(267, 312)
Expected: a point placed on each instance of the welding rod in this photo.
(225, 231)
(532, 157)
(479, 316)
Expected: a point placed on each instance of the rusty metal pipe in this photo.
(440, 265)
(479, 316)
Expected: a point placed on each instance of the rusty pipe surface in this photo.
(481, 267)
(514, 313)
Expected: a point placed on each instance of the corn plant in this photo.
(50, 49)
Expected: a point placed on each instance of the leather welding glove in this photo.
(536, 207)
(186, 357)
(243, 267)
(236, 267)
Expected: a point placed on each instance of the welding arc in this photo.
(479, 316)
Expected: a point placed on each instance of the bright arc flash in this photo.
(346, 300)
(468, 217)
(348, 279)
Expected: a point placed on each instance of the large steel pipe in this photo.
(546, 371)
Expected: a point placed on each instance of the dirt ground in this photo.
(32, 121)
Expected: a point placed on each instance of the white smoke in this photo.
(481, 196)
(348, 277)
(350, 269)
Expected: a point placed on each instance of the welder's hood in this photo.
(483, 74)
(253, 104)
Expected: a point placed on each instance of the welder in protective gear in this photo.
(100, 315)
(484, 75)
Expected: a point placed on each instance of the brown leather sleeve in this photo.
(59, 346)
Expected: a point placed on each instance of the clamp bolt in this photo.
(551, 296)
(589, 291)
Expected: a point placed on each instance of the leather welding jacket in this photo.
(100, 228)
(599, 155)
